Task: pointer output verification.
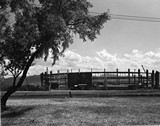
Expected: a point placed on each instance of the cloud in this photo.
(110, 61)
(150, 59)
(103, 59)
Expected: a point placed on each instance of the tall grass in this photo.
(82, 112)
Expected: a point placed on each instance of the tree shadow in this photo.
(107, 110)
(13, 112)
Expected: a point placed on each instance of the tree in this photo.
(42, 27)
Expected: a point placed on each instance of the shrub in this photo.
(32, 88)
(132, 87)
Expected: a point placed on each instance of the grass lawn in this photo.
(82, 111)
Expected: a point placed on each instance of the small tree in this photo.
(49, 25)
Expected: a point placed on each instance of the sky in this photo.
(121, 44)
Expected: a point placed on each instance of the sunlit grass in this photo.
(83, 111)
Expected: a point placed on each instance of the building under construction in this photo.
(100, 80)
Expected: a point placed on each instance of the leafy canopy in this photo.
(46, 25)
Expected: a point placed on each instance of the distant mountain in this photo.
(30, 80)
(33, 80)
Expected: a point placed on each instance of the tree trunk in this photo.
(6, 96)
(14, 88)
(10, 91)
(19, 84)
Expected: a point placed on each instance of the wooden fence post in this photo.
(117, 75)
(58, 78)
(134, 79)
(41, 76)
(67, 84)
(92, 77)
(50, 80)
(147, 78)
(46, 81)
(129, 81)
(50, 77)
(152, 79)
(157, 80)
(105, 83)
(139, 76)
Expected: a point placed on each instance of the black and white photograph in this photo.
(80, 62)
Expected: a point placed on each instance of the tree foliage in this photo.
(43, 26)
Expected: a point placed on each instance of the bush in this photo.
(132, 87)
(31, 88)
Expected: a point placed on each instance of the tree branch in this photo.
(60, 5)
(65, 3)
(11, 70)
(28, 66)
(14, 81)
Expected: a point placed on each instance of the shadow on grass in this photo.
(13, 112)
(57, 114)
(107, 110)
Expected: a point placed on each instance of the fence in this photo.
(91, 80)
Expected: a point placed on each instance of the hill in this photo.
(30, 80)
